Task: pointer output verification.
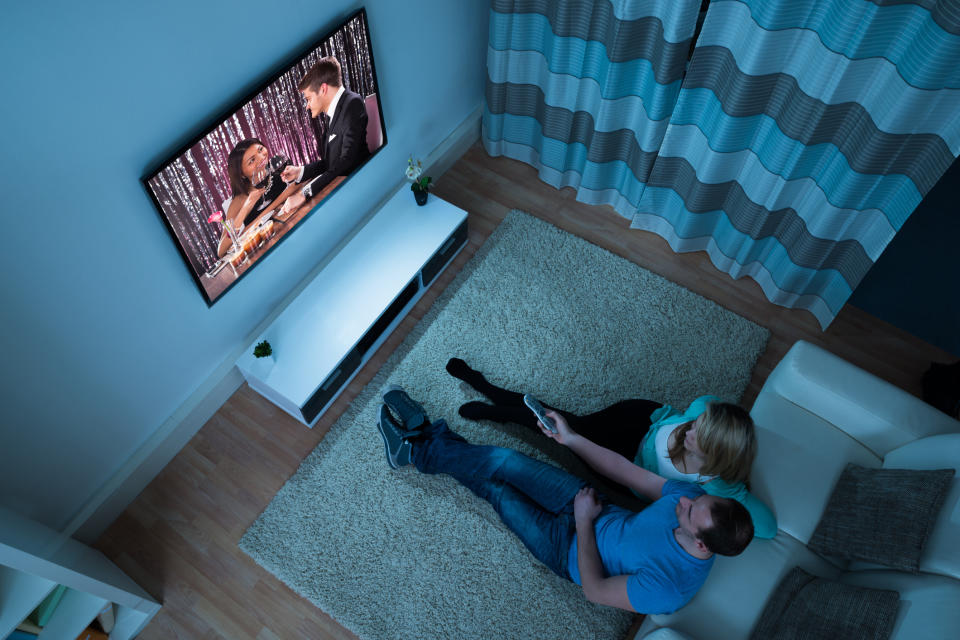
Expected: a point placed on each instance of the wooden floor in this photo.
(178, 539)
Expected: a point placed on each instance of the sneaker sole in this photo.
(412, 406)
(391, 460)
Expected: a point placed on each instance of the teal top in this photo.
(764, 522)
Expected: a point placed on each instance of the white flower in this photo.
(413, 170)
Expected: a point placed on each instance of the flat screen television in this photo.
(256, 172)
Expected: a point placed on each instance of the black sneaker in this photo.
(409, 412)
(398, 449)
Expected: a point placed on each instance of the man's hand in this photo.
(611, 591)
(564, 433)
(586, 505)
(290, 173)
(293, 202)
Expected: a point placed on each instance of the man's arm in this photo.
(312, 171)
(346, 150)
(608, 462)
(608, 591)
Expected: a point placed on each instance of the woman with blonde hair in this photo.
(712, 443)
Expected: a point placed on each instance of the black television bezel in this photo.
(212, 123)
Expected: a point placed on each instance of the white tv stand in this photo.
(339, 320)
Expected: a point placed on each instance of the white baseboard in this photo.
(456, 144)
(133, 477)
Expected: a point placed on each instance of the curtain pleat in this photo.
(584, 89)
(791, 147)
(804, 135)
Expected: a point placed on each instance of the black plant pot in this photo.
(421, 196)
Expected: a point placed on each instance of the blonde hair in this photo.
(728, 441)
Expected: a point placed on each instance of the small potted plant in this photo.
(263, 350)
(421, 183)
(263, 360)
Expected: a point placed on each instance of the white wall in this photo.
(104, 334)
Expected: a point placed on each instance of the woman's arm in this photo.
(278, 202)
(606, 461)
(236, 213)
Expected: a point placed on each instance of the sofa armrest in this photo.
(928, 604)
(872, 411)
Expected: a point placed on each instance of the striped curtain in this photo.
(583, 89)
(804, 134)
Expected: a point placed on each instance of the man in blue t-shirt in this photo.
(652, 561)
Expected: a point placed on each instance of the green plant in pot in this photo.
(263, 350)
(421, 183)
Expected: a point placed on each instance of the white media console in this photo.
(339, 320)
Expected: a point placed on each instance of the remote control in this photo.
(539, 411)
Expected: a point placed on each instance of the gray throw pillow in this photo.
(805, 606)
(884, 516)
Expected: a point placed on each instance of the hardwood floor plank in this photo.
(179, 538)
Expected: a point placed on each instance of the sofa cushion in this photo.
(737, 588)
(881, 515)
(800, 456)
(804, 605)
(936, 452)
(928, 603)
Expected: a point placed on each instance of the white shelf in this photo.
(35, 559)
(20, 593)
(74, 614)
(129, 623)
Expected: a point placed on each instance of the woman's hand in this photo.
(586, 505)
(252, 199)
(564, 432)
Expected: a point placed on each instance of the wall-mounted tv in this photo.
(235, 192)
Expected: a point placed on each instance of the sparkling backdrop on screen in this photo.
(196, 184)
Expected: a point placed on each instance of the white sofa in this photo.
(814, 414)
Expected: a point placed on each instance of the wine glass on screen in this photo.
(281, 161)
(263, 177)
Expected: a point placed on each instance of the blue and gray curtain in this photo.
(790, 139)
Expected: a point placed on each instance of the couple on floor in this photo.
(690, 465)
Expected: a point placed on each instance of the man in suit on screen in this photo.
(340, 123)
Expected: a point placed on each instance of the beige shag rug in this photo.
(397, 554)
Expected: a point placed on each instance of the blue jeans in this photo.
(534, 499)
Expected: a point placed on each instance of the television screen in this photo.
(230, 196)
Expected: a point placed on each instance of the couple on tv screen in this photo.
(261, 185)
(238, 189)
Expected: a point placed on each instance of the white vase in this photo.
(261, 366)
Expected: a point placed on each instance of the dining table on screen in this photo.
(256, 240)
